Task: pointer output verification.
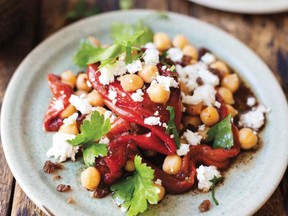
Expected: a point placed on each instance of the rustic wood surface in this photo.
(267, 35)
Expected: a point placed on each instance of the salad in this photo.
(150, 115)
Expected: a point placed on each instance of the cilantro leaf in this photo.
(222, 134)
(135, 192)
(214, 181)
(172, 126)
(92, 130)
(94, 150)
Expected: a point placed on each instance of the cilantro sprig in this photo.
(172, 126)
(136, 191)
(94, 150)
(214, 181)
(222, 134)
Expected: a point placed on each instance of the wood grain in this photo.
(266, 35)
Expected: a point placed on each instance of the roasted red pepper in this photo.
(61, 93)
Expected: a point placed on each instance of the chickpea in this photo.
(247, 138)
(81, 83)
(221, 66)
(161, 191)
(148, 72)
(80, 92)
(203, 133)
(94, 41)
(190, 50)
(149, 153)
(162, 41)
(90, 178)
(194, 109)
(69, 129)
(172, 164)
(192, 120)
(226, 95)
(231, 81)
(131, 82)
(180, 41)
(184, 88)
(231, 110)
(129, 166)
(68, 111)
(158, 94)
(209, 116)
(95, 98)
(69, 78)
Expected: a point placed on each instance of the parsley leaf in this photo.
(172, 126)
(135, 192)
(92, 130)
(222, 134)
(214, 181)
(94, 150)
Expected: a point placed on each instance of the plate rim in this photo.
(245, 7)
(11, 85)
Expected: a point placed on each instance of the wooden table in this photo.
(267, 35)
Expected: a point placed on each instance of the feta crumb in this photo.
(172, 136)
(110, 115)
(192, 138)
(156, 113)
(209, 78)
(61, 148)
(137, 96)
(204, 175)
(81, 104)
(251, 101)
(164, 67)
(158, 181)
(134, 66)
(71, 119)
(201, 127)
(183, 150)
(123, 94)
(165, 125)
(58, 104)
(167, 82)
(112, 96)
(175, 54)
(109, 71)
(204, 93)
(150, 45)
(217, 104)
(151, 56)
(104, 140)
(152, 120)
(208, 58)
(254, 118)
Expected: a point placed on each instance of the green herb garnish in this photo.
(172, 126)
(94, 150)
(214, 181)
(136, 191)
(92, 130)
(222, 134)
(173, 68)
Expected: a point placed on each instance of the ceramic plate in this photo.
(246, 187)
(246, 6)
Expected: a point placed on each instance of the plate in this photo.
(246, 188)
(246, 6)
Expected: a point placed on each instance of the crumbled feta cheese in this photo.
(110, 115)
(112, 95)
(137, 96)
(204, 175)
(192, 138)
(152, 120)
(208, 58)
(204, 93)
(254, 118)
(209, 78)
(217, 104)
(251, 101)
(183, 150)
(156, 113)
(175, 54)
(109, 71)
(61, 148)
(81, 104)
(164, 67)
(165, 125)
(123, 94)
(158, 181)
(71, 119)
(134, 66)
(150, 45)
(201, 127)
(104, 140)
(58, 104)
(172, 136)
(151, 56)
(167, 82)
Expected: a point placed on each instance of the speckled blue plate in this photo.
(246, 187)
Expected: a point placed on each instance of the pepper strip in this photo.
(61, 93)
